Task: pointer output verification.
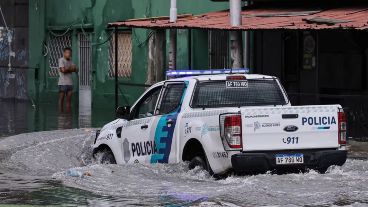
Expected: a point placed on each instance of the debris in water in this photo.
(74, 173)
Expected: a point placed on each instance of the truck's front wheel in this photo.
(108, 158)
(104, 156)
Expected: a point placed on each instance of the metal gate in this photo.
(85, 79)
(219, 49)
(85, 61)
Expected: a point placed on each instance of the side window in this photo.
(146, 107)
(171, 98)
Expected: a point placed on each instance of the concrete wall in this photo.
(16, 17)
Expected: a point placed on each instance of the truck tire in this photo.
(199, 161)
(108, 158)
(105, 157)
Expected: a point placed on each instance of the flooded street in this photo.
(33, 168)
(24, 116)
(33, 171)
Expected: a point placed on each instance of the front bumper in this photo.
(260, 162)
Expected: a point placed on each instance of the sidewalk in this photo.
(358, 150)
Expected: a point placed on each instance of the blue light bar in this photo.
(185, 73)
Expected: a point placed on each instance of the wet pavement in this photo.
(24, 116)
(33, 171)
(33, 168)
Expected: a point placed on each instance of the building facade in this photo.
(82, 25)
(316, 66)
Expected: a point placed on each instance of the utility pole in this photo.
(173, 35)
(236, 35)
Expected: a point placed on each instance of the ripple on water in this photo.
(35, 164)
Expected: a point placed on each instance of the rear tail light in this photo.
(342, 128)
(231, 130)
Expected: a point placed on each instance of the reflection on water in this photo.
(20, 116)
(65, 120)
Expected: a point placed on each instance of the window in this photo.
(54, 49)
(124, 55)
(260, 92)
(219, 49)
(171, 98)
(146, 107)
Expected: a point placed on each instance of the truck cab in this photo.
(224, 122)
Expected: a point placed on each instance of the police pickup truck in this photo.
(225, 122)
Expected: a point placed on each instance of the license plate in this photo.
(237, 84)
(285, 159)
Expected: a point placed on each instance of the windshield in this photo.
(252, 92)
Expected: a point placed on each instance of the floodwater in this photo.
(23, 116)
(33, 171)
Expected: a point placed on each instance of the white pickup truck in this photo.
(227, 122)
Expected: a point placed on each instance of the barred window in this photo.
(260, 92)
(218, 42)
(55, 46)
(124, 55)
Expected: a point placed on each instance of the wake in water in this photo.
(36, 164)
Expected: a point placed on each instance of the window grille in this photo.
(124, 55)
(85, 61)
(219, 49)
(55, 47)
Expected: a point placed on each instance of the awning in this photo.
(263, 19)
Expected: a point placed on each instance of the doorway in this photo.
(85, 79)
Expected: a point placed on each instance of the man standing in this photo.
(66, 68)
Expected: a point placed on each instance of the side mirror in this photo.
(123, 112)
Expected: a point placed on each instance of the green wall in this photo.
(93, 16)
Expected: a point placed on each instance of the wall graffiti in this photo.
(14, 84)
(4, 50)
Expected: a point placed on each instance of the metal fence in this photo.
(125, 55)
(85, 59)
(55, 46)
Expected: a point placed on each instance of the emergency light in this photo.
(185, 73)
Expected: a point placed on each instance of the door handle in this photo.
(144, 126)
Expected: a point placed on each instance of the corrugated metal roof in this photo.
(266, 18)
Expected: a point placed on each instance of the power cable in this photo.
(9, 36)
(2, 15)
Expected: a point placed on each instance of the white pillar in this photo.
(235, 36)
(235, 13)
(173, 11)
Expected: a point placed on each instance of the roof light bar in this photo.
(184, 73)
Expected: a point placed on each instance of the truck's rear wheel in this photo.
(198, 161)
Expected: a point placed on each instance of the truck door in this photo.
(168, 110)
(137, 143)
